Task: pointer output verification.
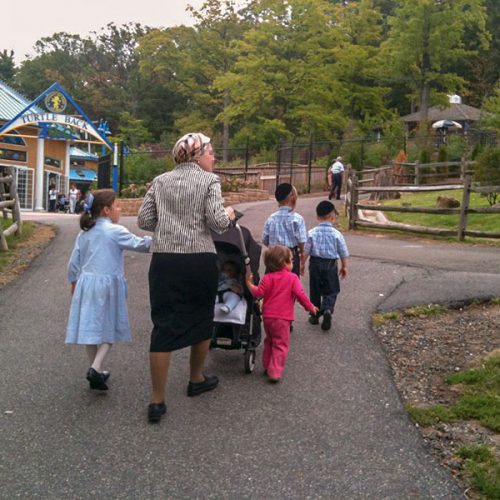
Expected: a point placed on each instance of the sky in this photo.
(25, 22)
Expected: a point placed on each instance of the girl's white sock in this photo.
(102, 352)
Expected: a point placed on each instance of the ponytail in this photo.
(101, 198)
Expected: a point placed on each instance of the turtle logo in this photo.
(56, 102)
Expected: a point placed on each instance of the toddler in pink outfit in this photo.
(279, 288)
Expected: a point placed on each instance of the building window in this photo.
(52, 162)
(25, 188)
(13, 155)
(77, 163)
(19, 141)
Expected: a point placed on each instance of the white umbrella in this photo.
(446, 124)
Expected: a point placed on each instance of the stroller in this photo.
(241, 328)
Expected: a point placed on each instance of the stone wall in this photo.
(130, 206)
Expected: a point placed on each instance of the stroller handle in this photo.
(246, 258)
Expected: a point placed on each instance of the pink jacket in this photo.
(280, 290)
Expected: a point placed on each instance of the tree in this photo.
(7, 66)
(487, 172)
(426, 37)
(282, 76)
(187, 61)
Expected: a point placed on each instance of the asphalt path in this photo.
(334, 427)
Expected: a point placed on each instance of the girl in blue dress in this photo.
(98, 314)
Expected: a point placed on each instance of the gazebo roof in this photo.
(457, 111)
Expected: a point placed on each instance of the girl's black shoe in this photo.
(96, 380)
(156, 411)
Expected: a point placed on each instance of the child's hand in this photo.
(315, 311)
(343, 273)
(249, 278)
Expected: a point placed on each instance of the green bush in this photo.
(442, 154)
(455, 146)
(142, 166)
(376, 155)
(487, 172)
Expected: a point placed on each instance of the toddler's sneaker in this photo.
(327, 320)
(225, 309)
(313, 319)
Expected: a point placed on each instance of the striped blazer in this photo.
(181, 207)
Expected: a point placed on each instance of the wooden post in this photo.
(16, 209)
(353, 209)
(465, 206)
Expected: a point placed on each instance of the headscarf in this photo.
(190, 147)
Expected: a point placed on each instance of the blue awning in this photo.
(82, 174)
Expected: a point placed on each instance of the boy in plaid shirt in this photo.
(286, 227)
(325, 245)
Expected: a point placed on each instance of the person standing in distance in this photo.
(335, 178)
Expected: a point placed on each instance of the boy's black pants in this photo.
(324, 283)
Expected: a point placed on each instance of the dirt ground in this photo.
(422, 351)
(25, 252)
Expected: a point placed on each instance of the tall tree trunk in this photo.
(225, 131)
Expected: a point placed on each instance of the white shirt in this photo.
(337, 167)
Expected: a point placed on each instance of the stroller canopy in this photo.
(232, 237)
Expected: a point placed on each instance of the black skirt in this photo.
(182, 292)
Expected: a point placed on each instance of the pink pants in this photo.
(275, 346)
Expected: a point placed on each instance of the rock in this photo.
(447, 202)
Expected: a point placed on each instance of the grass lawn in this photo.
(475, 222)
(13, 241)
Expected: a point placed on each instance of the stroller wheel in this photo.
(249, 361)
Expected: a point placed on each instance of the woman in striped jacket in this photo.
(181, 207)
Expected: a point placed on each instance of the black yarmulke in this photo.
(282, 191)
(324, 208)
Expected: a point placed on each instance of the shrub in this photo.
(487, 172)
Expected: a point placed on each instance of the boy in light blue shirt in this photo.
(325, 245)
(286, 227)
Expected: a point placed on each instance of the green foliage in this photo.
(14, 241)
(376, 155)
(423, 44)
(425, 156)
(428, 310)
(442, 154)
(484, 469)
(478, 400)
(131, 131)
(7, 66)
(143, 166)
(455, 147)
(487, 172)
(380, 318)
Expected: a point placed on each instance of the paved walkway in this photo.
(333, 428)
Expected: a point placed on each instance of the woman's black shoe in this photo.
(105, 375)
(96, 380)
(156, 411)
(195, 388)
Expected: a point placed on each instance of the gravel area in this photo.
(423, 350)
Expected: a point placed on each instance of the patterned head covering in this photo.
(190, 147)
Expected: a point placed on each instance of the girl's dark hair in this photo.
(102, 198)
(277, 257)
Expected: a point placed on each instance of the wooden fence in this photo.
(9, 204)
(353, 205)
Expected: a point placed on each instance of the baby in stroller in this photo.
(230, 290)
(237, 322)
